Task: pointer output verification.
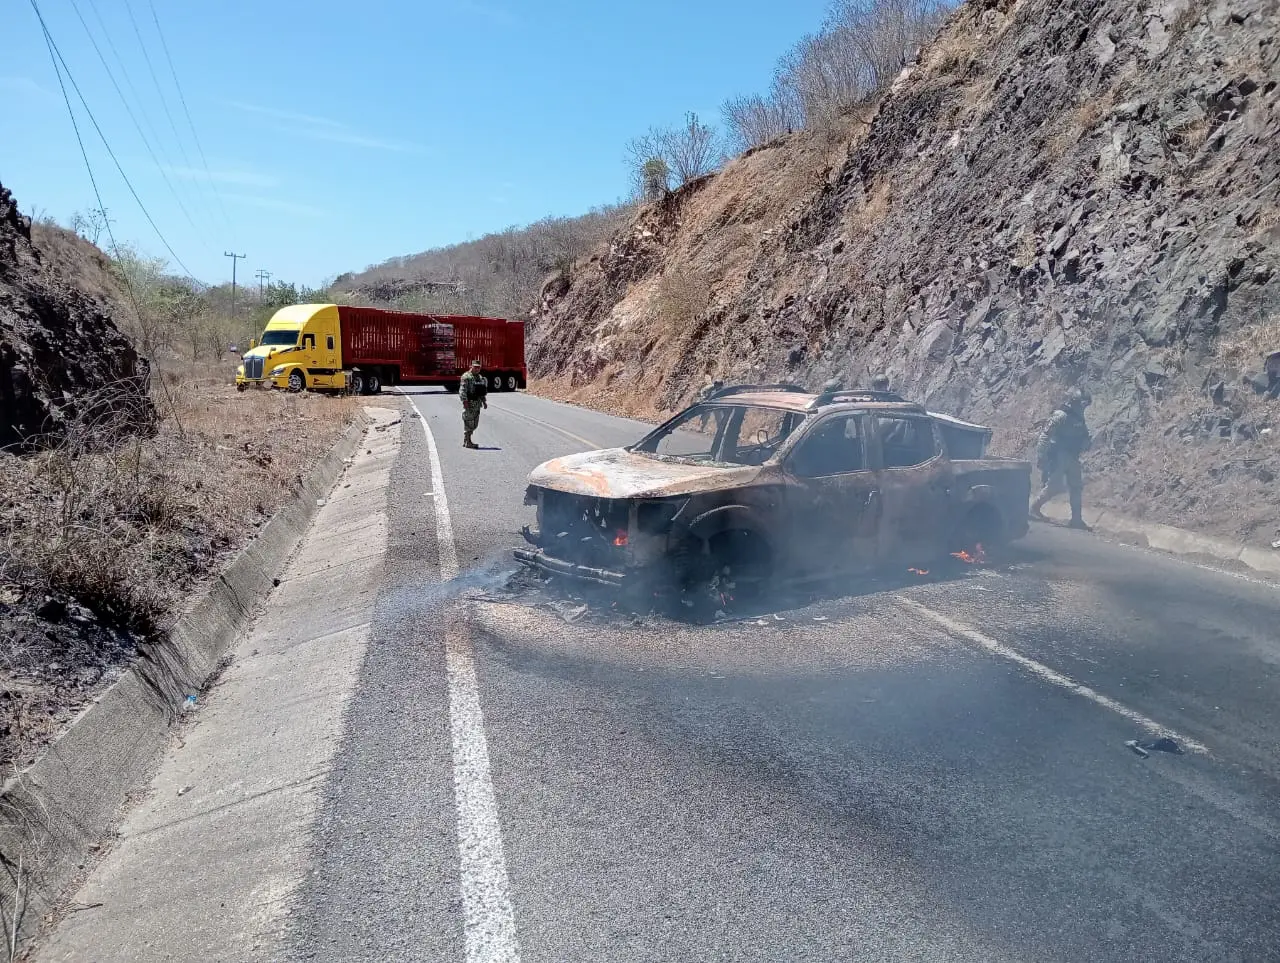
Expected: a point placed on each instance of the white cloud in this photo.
(289, 115)
(239, 178)
(26, 87)
(273, 204)
(354, 139)
(325, 129)
(497, 15)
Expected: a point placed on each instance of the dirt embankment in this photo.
(116, 503)
(1058, 192)
(61, 355)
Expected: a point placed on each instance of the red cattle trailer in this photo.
(432, 349)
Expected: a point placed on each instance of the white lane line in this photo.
(1049, 675)
(546, 424)
(489, 921)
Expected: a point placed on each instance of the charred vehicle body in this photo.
(772, 483)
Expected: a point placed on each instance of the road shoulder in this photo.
(207, 866)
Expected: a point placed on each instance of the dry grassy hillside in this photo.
(1058, 192)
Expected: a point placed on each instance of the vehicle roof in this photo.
(798, 401)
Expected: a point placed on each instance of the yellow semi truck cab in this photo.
(300, 348)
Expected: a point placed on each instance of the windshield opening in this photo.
(723, 435)
(279, 337)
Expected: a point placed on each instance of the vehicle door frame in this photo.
(916, 499)
(814, 546)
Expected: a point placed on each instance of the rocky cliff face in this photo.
(61, 357)
(1058, 192)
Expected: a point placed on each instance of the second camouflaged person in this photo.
(1064, 439)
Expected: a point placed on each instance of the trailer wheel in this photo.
(495, 382)
(373, 383)
(297, 380)
(512, 382)
(357, 383)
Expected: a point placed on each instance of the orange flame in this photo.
(977, 558)
(620, 539)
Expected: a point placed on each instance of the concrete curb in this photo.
(55, 814)
(1176, 541)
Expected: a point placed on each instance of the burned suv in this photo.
(772, 483)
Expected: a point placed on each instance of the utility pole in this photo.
(262, 276)
(234, 259)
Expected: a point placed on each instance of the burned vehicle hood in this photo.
(618, 473)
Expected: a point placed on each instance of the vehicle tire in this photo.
(357, 383)
(734, 568)
(495, 382)
(240, 387)
(297, 380)
(512, 382)
(373, 383)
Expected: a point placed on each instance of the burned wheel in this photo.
(720, 573)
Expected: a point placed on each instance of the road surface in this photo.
(929, 768)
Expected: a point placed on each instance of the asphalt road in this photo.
(922, 769)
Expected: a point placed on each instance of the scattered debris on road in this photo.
(1163, 744)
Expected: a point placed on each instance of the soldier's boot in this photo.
(466, 440)
(1037, 506)
(1077, 516)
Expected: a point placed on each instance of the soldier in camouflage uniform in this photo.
(1064, 439)
(472, 390)
(705, 394)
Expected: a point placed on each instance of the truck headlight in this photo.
(240, 371)
(277, 371)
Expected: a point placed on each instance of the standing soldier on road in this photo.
(472, 390)
(1064, 439)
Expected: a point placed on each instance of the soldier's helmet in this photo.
(717, 384)
(880, 383)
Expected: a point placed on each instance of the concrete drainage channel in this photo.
(56, 815)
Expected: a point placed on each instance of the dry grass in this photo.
(126, 524)
(1246, 348)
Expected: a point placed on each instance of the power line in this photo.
(164, 103)
(54, 51)
(164, 45)
(137, 126)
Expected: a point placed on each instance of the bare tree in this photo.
(690, 150)
(92, 224)
(665, 154)
(861, 47)
(754, 120)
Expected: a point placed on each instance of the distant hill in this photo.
(497, 275)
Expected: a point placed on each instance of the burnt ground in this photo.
(101, 549)
(57, 657)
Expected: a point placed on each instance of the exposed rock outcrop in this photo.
(1058, 192)
(61, 356)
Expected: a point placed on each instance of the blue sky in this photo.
(341, 134)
